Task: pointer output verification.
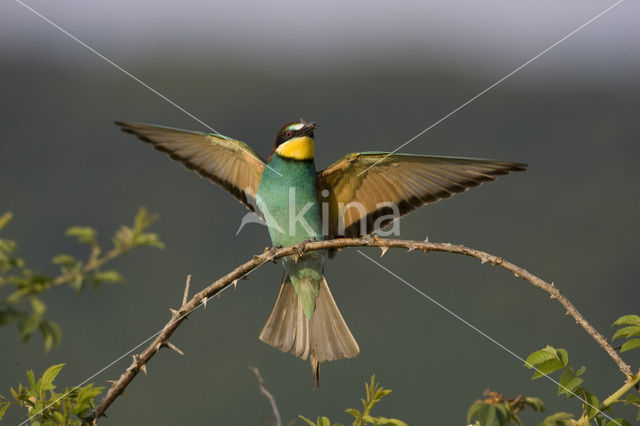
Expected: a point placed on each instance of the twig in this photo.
(186, 290)
(270, 254)
(268, 394)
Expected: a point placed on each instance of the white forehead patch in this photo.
(296, 126)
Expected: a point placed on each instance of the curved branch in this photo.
(271, 254)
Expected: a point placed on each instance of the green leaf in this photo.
(633, 398)
(49, 376)
(5, 219)
(31, 378)
(547, 368)
(38, 306)
(148, 239)
(64, 259)
(630, 344)
(110, 276)
(535, 403)
(324, 421)
(487, 414)
(383, 421)
(629, 331)
(84, 234)
(547, 360)
(591, 404)
(51, 333)
(59, 417)
(563, 356)
(558, 419)
(569, 382)
(628, 320)
(355, 413)
(581, 371)
(143, 219)
(27, 325)
(5, 405)
(538, 357)
(619, 422)
(309, 422)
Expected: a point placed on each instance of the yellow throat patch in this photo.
(300, 148)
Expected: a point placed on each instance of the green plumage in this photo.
(288, 200)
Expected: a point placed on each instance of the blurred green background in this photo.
(373, 76)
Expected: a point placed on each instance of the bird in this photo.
(299, 203)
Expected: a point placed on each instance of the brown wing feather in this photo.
(224, 161)
(408, 181)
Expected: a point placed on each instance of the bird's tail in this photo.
(325, 337)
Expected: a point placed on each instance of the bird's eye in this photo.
(288, 134)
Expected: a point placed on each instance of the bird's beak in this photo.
(308, 128)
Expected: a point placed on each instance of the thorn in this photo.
(516, 275)
(235, 284)
(426, 240)
(173, 347)
(143, 368)
(219, 295)
(204, 302)
(412, 247)
(158, 346)
(136, 360)
(483, 260)
(112, 382)
(173, 311)
(384, 250)
(375, 237)
(186, 290)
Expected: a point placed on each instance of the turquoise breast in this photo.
(289, 201)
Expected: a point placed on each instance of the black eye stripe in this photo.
(283, 137)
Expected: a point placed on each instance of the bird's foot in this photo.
(303, 245)
(272, 251)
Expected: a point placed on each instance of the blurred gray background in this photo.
(373, 74)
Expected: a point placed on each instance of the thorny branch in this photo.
(271, 254)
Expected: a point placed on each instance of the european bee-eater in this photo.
(291, 196)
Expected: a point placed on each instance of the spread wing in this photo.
(224, 161)
(407, 181)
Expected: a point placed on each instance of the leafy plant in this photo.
(45, 406)
(21, 287)
(496, 409)
(631, 329)
(374, 392)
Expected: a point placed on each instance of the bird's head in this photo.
(295, 140)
